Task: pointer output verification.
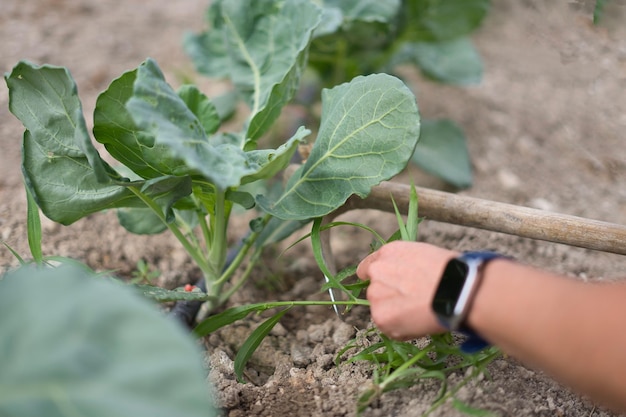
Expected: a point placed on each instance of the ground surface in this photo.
(546, 130)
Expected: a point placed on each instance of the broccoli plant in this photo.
(177, 169)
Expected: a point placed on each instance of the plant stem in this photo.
(243, 250)
(206, 233)
(244, 277)
(357, 301)
(191, 250)
(217, 250)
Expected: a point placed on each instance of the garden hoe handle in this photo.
(498, 217)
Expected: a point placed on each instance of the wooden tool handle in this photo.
(498, 217)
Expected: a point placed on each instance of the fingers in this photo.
(403, 276)
(363, 269)
(384, 255)
(379, 290)
(401, 319)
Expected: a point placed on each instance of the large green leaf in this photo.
(201, 106)
(267, 42)
(442, 151)
(159, 110)
(368, 132)
(271, 161)
(209, 50)
(125, 141)
(79, 345)
(61, 167)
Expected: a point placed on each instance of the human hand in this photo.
(403, 279)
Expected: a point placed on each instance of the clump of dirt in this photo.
(545, 130)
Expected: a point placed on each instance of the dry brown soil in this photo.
(545, 130)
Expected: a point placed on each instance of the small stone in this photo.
(343, 333)
(220, 361)
(501, 364)
(316, 333)
(508, 179)
(228, 397)
(300, 355)
(325, 361)
(541, 204)
(302, 336)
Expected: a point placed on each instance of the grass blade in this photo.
(253, 341)
(402, 228)
(469, 410)
(33, 223)
(14, 252)
(217, 321)
(412, 220)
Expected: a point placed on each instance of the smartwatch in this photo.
(457, 288)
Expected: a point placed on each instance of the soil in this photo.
(545, 129)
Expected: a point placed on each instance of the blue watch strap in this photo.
(474, 341)
(484, 256)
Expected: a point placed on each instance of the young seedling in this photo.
(143, 274)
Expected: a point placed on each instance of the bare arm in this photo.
(572, 330)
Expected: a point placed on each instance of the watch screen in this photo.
(450, 287)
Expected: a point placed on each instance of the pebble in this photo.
(302, 336)
(525, 373)
(300, 355)
(221, 362)
(316, 333)
(542, 204)
(325, 361)
(508, 179)
(343, 333)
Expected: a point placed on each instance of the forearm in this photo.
(570, 329)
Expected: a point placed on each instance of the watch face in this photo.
(450, 287)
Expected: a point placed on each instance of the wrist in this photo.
(487, 296)
(458, 287)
